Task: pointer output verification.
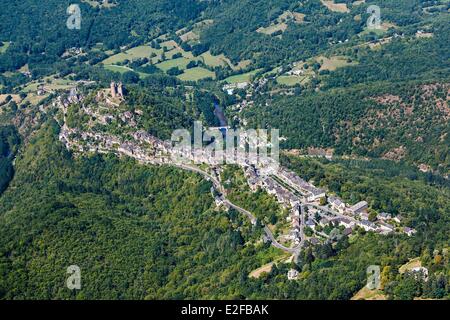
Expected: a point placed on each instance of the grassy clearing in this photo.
(181, 63)
(169, 44)
(367, 294)
(290, 80)
(273, 28)
(242, 65)
(120, 69)
(336, 7)
(34, 99)
(24, 68)
(269, 258)
(189, 36)
(15, 98)
(258, 272)
(187, 55)
(245, 77)
(215, 61)
(222, 61)
(296, 17)
(50, 83)
(196, 74)
(333, 63)
(4, 47)
(192, 36)
(123, 69)
(144, 51)
(359, 2)
(413, 263)
(280, 24)
(172, 48)
(385, 26)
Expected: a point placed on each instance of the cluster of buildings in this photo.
(257, 180)
(285, 197)
(229, 88)
(296, 231)
(308, 190)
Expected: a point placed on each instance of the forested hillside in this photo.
(39, 35)
(401, 121)
(136, 232)
(148, 232)
(9, 143)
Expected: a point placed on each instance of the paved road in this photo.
(249, 215)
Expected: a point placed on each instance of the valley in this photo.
(225, 150)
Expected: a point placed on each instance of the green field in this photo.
(146, 51)
(196, 74)
(187, 55)
(290, 80)
(169, 44)
(120, 69)
(333, 63)
(54, 84)
(123, 69)
(181, 63)
(214, 61)
(132, 54)
(245, 77)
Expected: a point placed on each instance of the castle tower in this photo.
(120, 89)
(113, 89)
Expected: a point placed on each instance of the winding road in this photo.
(247, 213)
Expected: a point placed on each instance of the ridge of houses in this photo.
(290, 190)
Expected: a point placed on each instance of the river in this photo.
(219, 114)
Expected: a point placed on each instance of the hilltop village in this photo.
(315, 216)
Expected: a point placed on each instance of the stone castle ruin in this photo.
(117, 89)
